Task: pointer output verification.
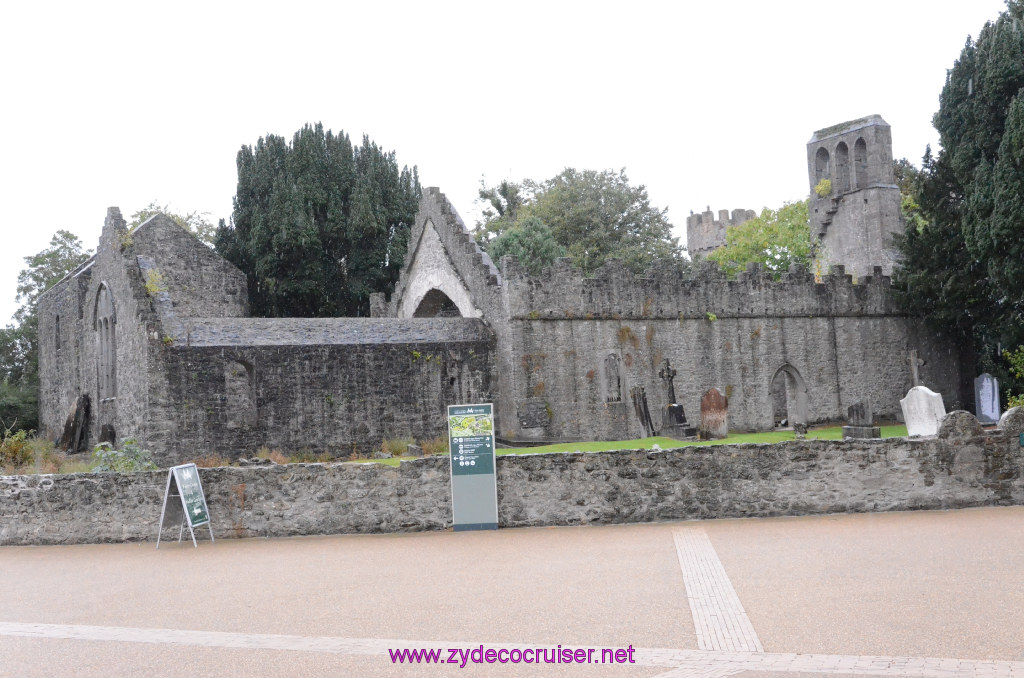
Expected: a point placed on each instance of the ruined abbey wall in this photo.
(189, 375)
(571, 349)
(70, 348)
(580, 345)
(334, 385)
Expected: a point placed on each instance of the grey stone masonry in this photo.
(331, 331)
(456, 266)
(853, 224)
(705, 234)
(962, 466)
(157, 319)
(326, 398)
(574, 345)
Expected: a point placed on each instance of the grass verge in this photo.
(825, 433)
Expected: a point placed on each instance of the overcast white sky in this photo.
(706, 103)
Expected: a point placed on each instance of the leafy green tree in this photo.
(1016, 361)
(502, 204)
(197, 223)
(594, 216)
(908, 178)
(531, 242)
(19, 349)
(318, 224)
(962, 267)
(775, 239)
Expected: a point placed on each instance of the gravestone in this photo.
(673, 417)
(986, 399)
(639, 397)
(859, 418)
(714, 415)
(76, 428)
(923, 411)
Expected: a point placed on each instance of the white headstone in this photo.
(922, 410)
(986, 399)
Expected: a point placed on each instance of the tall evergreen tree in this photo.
(962, 265)
(318, 224)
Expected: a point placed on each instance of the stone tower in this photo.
(705, 234)
(853, 223)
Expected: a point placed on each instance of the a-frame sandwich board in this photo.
(187, 486)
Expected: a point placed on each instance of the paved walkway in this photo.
(908, 594)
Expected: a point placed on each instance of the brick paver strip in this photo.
(718, 615)
(683, 663)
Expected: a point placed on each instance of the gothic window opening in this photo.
(613, 379)
(820, 166)
(860, 162)
(106, 349)
(240, 395)
(843, 166)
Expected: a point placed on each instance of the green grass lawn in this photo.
(825, 433)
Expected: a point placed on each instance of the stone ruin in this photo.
(154, 330)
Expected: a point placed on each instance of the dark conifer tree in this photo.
(318, 224)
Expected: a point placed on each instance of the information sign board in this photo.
(192, 498)
(183, 482)
(471, 448)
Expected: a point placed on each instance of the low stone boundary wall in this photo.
(963, 466)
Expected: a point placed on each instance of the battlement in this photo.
(847, 127)
(705, 234)
(664, 291)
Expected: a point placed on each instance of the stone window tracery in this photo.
(106, 344)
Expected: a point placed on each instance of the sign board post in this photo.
(185, 482)
(471, 447)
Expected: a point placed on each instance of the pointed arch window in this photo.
(821, 165)
(843, 166)
(860, 162)
(612, 379)
(106, 344)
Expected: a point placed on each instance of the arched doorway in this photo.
(788, 397)
(436, 304)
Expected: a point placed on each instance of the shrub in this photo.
(1016, 360)
(131, 457)
(438, 445)
(15, 450)
(155, 282)
(824, 188)
(275, 455)
(396, 447)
